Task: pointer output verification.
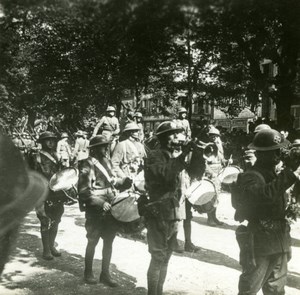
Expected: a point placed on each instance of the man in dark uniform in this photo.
(96, 188)
(162, 213)
(259, 198)
(50, 212)
(21, 190)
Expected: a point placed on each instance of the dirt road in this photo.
(214, 270)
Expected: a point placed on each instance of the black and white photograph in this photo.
(149, 147)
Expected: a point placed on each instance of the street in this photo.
(214, 270)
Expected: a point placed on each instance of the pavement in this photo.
(213, 270)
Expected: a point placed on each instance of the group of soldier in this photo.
(112, 159)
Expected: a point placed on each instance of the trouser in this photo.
(162, 240)
(187, 222)
(97, 227)
(270, 275)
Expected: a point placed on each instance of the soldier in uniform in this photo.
(127, 158)
(109, 126)
(50, 212)
(81, 150)
(21, 190)
(183, 123)
(138, 119)
(259, 198)
(64, 150)
(162, 171)
(96, 188)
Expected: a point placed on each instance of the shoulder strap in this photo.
(46, 154)
(102, 169)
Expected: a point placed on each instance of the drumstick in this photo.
(229, 160)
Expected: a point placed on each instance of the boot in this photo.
(178, 249)
(46, 245)
(210, 219)
(52, 236)
(105, 277)
(190, 247)
(153, 277)
(215, 219)
(88, 268)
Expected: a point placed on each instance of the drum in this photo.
(139, 182)
(229, 174)
(124, 207)
(202, 195)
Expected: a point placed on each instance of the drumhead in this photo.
(201, 192)
(64, 179)
(229, 174)
(124, 208)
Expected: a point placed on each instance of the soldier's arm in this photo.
(256, 188)
(85, 180)
(117, 127)
(117, 159)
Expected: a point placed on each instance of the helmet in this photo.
(131, 127)
(261, 127)
(21, 189)
(98, 140)
(79, 133)
(296, 143)
(167, 126)
(64, 135)
(213, 131)
(110, 109)
(267, 140)
(47, 134)
(138, 114)
(182, 110)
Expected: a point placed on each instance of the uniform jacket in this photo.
(81, 150)
(63, 149)
(185, 125)
(106, 123)
(48, 164)
(93, 183)
(162, 179)
(125, 154)
(265, 192)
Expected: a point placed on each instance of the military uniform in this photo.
(185, 126)
(64, 152)
(107, 126)
(81, 150)
(51, 211)
(95, 188)
(161, 177)
(127, 157)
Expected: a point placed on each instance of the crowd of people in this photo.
(115, 165)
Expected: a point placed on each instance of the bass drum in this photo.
(227, 176)
(202, 195)
(124, 209)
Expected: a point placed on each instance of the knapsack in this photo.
(241, 200)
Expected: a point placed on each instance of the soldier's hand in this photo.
(106, 206)
(127, 183)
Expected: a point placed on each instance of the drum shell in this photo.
(202, 195)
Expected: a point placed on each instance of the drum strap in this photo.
(46, 154)
(102, 169)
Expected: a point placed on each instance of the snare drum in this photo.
(124, 207)
(227, 176)
(202, 195)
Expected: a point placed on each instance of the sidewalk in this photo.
(214, 270)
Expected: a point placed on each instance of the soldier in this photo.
(63, 149)
(213, 168)
(50, 212)
(258, 197)
(21, 190)
(96, 188)
(109, 126)
(127, 158)
(138, 119)
(81, 150)
(162, 213)
(183, 123)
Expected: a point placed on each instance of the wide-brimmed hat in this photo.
(110, 109)
(79, 133)
(213, 131)
(131, 127)
(21, 189)
(98, 140)
(46, 135)
(261, 127)
(64, 135)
